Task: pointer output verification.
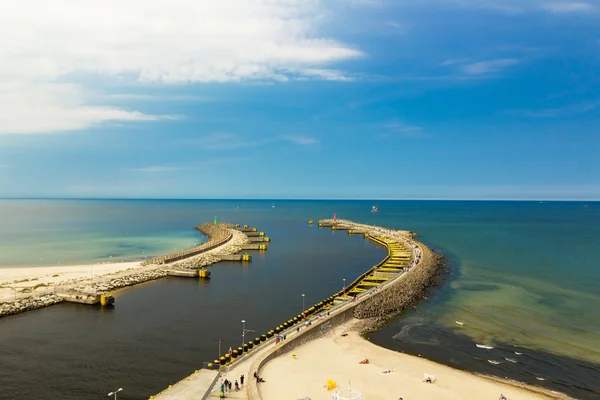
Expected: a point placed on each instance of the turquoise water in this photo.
(524, 272)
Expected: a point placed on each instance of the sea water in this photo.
(522, 274)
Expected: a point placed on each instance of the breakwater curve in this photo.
(404, 255)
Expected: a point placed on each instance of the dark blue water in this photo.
(524, 274)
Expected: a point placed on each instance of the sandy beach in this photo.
(40, 279)
(28, 281)
(337, 357)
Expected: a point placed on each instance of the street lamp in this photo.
(244, 331)
(115, 393)
(344, 289)
(303, 302)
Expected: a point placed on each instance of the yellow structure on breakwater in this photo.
(397, 259)
(384, 272)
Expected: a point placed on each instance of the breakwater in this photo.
(224, 240)
(404, 255)
(218, 235)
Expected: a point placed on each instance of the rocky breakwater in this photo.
(218, 234)
(29, 303)
(403, 292)
(212, 256)
(109, 283)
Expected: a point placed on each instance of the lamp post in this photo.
(115, 393)
(303, 308)
(344, 288)
(244, 331)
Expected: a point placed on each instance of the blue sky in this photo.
(301, 99)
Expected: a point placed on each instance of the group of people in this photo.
(226, 386)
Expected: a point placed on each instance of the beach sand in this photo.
(337, 358)
(46, 278)
(41, 280)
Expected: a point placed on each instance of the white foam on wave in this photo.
(510, 360)
(494, 362)
(484, 346)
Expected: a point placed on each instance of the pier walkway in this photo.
(195, 388)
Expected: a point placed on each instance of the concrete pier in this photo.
(254, 246)
(332, 310)
(184, 273)
(254, 234)
(234, 257)
(81, 298)
(193, 387)
(246, 230)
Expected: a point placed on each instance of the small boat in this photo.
(374, 209)
(273, 206)
(484, 346)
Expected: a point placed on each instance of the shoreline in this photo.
(337, 356)
(28, 288)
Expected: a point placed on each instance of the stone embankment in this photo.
(218, 235)
(232, 246)
(404, 292)
(29, 303)
(223, 240)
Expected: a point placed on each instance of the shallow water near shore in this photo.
(525, 275)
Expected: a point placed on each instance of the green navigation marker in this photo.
(215, 219)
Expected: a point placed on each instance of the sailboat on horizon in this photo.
(273, 206)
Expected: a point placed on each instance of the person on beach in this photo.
(226, 383)
(284, 336)
(221, 394)
(276, 343)
(230, 384)
(242, 380)
(222, 387)
(237, 386)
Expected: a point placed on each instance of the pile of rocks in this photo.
(29, 303)
(128, 280)
(211, 257)
(216, 233)
(404, 292)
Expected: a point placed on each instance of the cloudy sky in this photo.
(467, 99)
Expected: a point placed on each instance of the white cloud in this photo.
(29, 108)
(301, 140)
(397, 128)
(567, 7)
(484, 67)
(44, 44)
(224, 141)
(155, 168)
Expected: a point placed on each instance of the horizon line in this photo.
(295, 199)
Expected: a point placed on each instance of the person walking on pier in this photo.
(242, 380)
(237, 386)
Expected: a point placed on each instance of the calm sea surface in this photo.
(523, 279)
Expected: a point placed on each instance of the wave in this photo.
(494, 362)
(512, 360)
(484, 346)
